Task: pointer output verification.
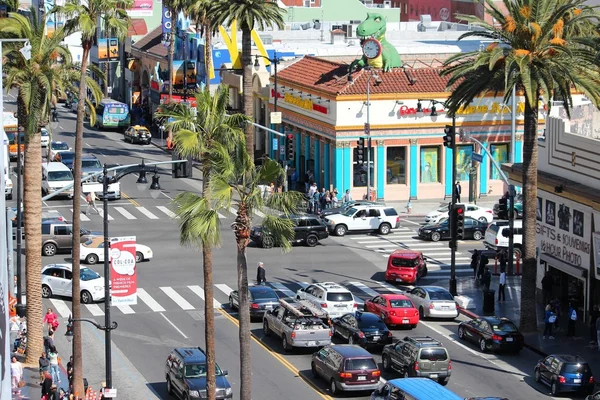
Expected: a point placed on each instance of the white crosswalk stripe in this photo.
(169, 213)
(224, 288)
(82, 216)
(221, 216)
(126, 309)
(101, 212)
(146, 212)
(364, 288)
(124, 212)
(177, 298)
(200, 292)
(150, 302)
(389, 287)
(61, 307)
(259, 213)
(94, 309)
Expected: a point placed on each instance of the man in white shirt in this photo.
(502, 285)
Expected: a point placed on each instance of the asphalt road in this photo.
(169, 312)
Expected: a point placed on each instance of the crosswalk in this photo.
(133, 213)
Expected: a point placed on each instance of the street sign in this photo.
(275, 117)
(282, 150)
(109, 393)
(275, 146)
(477, 157)
(170, 119)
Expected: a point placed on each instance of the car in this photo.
(474, 229)
(185, 372)
(492, 333)
(330, 297)
(565, 373)
(56, 148)
(90, 165)
(8, 188)
(261, 299)
(57, 236)
(362, 328)
(433, 302)
(364, 218)
(57, 281)
(67, 158)
(518, 207)
(345, 367)
(405, 266)
(138, 134)
(92, 251)
(497, 234)
(394, 309)
(418, 356)
(347, 205)
(474, 211)
(44, 138)
(13, 150)
(416, 388)
(595, 396)
(308, 229)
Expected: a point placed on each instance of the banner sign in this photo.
(141, 8)
(167, 24)
(123, 271)
(179, 69)
(104, 50)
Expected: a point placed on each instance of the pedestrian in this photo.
(549, 319)
(322, 199)
(51, 319)
(547, 286)
(294, 179)
(70, 367)
(91, 200)
(475, 262)
(572, 320)
(593, 318)
(457, 191)
(54, 368)
(16, 375)
(346, 197)
(49, 341)
(53, 393)
(316, 201)
(308, 176)
(486, 279)
(408, 207)
(44, 365)
(556, 310)
(46, 386)
(483, 262)
(261, 276)
(501, 286)
(334, 198)
(502, 259)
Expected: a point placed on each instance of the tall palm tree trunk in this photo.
(528, 322)
(247, 87)
(207, 51)
(76, 304)
(32, 207)
(209, 312)
(242, 237)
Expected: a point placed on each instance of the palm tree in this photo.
(34, 79)
(12, 5)
(209, 135)
(241, 186)
(539, 46)
(248, 14)
(84, 17)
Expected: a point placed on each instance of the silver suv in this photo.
(372, 217)
(330, 297)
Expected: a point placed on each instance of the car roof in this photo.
(191, 354)
(433, 288)
(394, 297)
(420, 385)
(89, 157)
(406, 253)
(331, 286)
(351, 350)
(261, 288)
(568, 358)
(367, 316)
(495, 320)
(61, 266)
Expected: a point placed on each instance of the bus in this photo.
(11, 127)
(414, 389)
(112, 114)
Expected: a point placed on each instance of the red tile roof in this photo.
(330, 77)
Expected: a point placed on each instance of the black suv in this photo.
(420, 356)
(185, 370)
(308, 229)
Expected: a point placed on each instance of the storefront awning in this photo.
(138, 27)
(576, 272)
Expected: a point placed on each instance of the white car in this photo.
(372, 217)
(474, 211)
(8, 188)
(56, 148)
(330, 297)
(433, 302)
(44, 137)
(57, 281)
(92, 251)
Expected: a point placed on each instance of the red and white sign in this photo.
(123, 272)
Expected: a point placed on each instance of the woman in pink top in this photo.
(51, 319)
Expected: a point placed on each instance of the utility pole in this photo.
(453, 241)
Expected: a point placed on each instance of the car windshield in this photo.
(44, 132)
(60, 146)
(401, 303)
(90, 164)
(350, 212)
(371, 323)
(264, 295)
(60, 176)
(87, 274)
(357, 364)
(505, 326)
(67, 156)
(343, 296)
(433, 354)
(443, 209)
(575, 368)
(405, 262)
(440, 295)
(198, 370)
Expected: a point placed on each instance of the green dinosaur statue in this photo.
(374, 27)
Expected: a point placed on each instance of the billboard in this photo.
(103, 49)
(141, 8)
(123, 271)
(178, 71)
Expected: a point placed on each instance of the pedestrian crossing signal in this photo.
(289, 145)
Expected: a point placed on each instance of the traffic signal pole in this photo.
(453, 240)
(511, 225)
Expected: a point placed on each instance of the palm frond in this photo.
(199, 224)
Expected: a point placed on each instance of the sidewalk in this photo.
(31, 375)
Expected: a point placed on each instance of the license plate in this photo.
(445, 307)
(509, 339)
(398, 279)
(576, 380)
(269, 307)
(375, 337)
(433, 376)
(362, 378)
(312, 344)
(405, 321)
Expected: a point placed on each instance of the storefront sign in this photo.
(406, 111)
(298, 101)
(123, 271)
(494, 108)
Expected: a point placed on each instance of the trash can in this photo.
(488, 301)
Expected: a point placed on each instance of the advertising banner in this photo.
(179, 69)
(141, 8)
(103, 49)
(123, 271)
(167, 24)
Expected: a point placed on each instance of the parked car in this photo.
(405, 266)
(364, 218)
(261, 299)
(394, 309)
(496, 236)
(518, 207)
(308, 229)
(55, 177)
(492, 333)
(185, 371)
(90, 165)
(57, 280)
(595, 396)
(44, 138)
(57, 237)
(330, 297)
(474, 229)
(67, 158)
(346, 367)
(362, 328)
(433, 302)
(138, 134)
(92, 251)
(565, 373)
(347, 205)
(56, 148)
(474, 211)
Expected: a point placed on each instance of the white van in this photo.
(8, 186)
(496, 236)
(55, 176)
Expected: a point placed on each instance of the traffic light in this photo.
(503, 208)
(359, 152)
(459, 221)
(289, 145)
(450, 137)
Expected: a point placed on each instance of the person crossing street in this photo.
(91, 200)
(261, 276)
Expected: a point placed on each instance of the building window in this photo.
(430, 162)
(500, 155)
(360, 171)
(396, 165)
(464, 157)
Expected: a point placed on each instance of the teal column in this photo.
(381, 170)
(306, 150)
(297, 156)
(519, 151)
(449, 183)
(414, 170)
(483, 173)
(347, 167)
(318, 164)
(327, 164)
(338, 170)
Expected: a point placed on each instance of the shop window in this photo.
(396, 165)
(500, 155)
(464, 158)
(430, 164)
(360, 171)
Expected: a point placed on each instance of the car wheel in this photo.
(284, 343)
(425, 271)
(538, 375)
(333, 387)
(312, 240)
(46, 291)
(385, 362)
(266, 329)
(9, 197)
(139, 257)
(169, 387)
(421, 313)
(413, 326)
(50, 249)
(231, 305)
(518, 252)
(351, 340)
(340, 230)
(91, 259)
(313, 370)
(435, 236)
(477, 235)
(483, 219)
(461, 333)
(267, 242)
(86, 297)
(444, 381)
(406, 374)
(384, 229)
(482, 345)
(554, 389)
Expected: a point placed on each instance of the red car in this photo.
(394, 309)
(405, 266)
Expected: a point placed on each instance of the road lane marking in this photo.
(167, 196)
(94, 309)
(173, 325)
(150, 302)
(409, 221)
(169, 213)
(82, 216)
(200, 292)
(233, 210)
(221, 216)
(147, 213)
(129, 199)
(303, 284)
(124, 212)
(126, 309)
(445, 271)
(62, 307)
(101, 212)
(224, 288)
(364, 288)
(259, 213)
(281, 288)
(176, 297)
(389, 287)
